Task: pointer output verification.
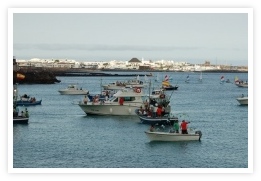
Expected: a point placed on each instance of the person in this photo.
(22, 114)
(121, 101)
(154, 111)
(163, 111)
(151, 128)
(176, 126)
(184, 127)
(149, 112)
(85, 100)
(26, 113)
(140, 110)
(159, 110)
(146, 104)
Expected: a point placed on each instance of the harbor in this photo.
(60, 135)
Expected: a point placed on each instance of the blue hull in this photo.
(27, 103)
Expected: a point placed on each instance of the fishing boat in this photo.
(26, 100)
(124, 102)
(240, 83)
(73, 90)
(243, 100)
(23, 117)
(166, 119)
(169, 136)
(124, 84)
(167, 86)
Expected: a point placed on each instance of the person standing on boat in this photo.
(159, 111)
(85, 100)
(121, 101)
(151, 128)
(26, 113)
(184, 127)
(176, 126)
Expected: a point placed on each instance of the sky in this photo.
(193, 36)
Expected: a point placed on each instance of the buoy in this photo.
(110, 110)
(129, 110)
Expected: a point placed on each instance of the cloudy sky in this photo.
(221, 38)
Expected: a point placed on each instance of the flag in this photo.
(166, 78)
(20, 76)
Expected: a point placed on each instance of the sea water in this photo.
(60, 135)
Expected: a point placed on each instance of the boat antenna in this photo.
(149, 93)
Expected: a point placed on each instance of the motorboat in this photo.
(166, 119)
(26, 100)
(20, 120)
(124, 102)
(172, 136)
(243, 100)
(73, 90)
(28, 103)
(125, 84)
(167, 86)
(242, 84)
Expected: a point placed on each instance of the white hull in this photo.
(79, 92)
(108, 109)
(164, 136)
(242, 85)
(243, 100)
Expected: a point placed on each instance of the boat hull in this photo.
(243, 101)
(73, 92)
(107, 109)
(28, 103)
(20, 120)
(171, 88)
(164, 136)
(242, 85)
(156, 120)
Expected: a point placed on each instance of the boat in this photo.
(171, 136)
(228, 81)
(124, 102)
(23, 117)
(167, 86)
(125, 84)
(166, 119)
(222, 79)
(243, 100)
(240, 83)
(26, 100)
(73, 90)
(187, 79)
(20, 120)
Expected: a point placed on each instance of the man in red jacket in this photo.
(184, 127)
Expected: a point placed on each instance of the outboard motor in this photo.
(199, 133)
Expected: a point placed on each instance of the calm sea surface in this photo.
(60, 135)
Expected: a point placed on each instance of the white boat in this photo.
(125, 84)
(124, 102)
(244, 84)
(243, 100)
(73, 90)
(169, 136)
